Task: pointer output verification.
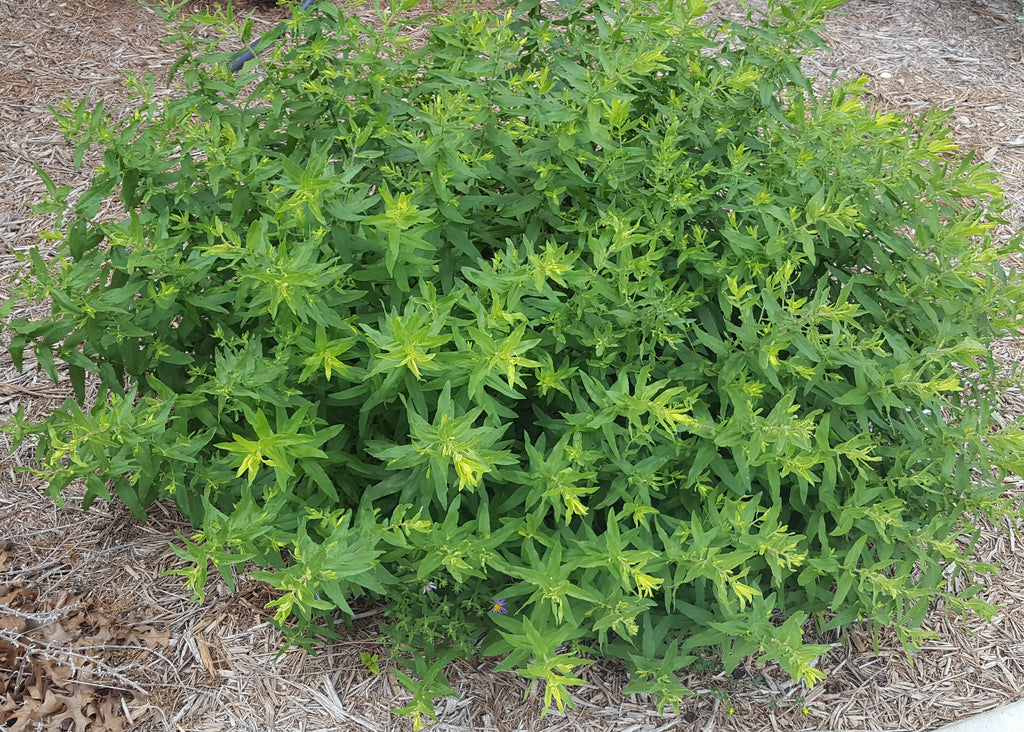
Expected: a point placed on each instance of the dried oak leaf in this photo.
(110, 714)
(53, 711)
(46, 654)
(6, 552)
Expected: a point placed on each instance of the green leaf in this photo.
(663, 342)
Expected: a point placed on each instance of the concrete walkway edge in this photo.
(1005, 719)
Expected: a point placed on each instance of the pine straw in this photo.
(221, 669)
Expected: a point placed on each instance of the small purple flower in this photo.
(498, 606)
(429, 587)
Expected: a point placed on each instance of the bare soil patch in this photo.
(92, 637)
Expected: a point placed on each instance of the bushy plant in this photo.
(589, 334)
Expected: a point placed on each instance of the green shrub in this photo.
(601, 336)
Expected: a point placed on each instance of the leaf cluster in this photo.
(595, 330)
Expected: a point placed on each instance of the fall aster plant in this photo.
(607, 314)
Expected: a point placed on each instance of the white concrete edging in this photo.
(1005, 719)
